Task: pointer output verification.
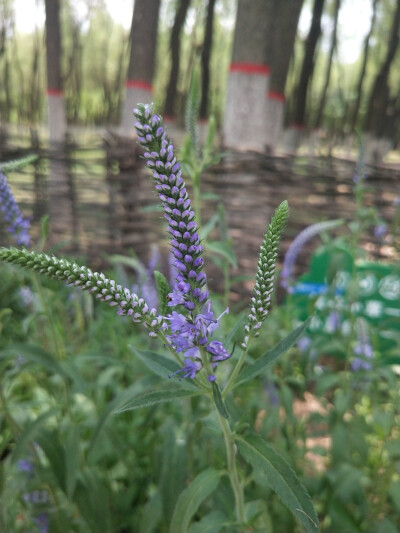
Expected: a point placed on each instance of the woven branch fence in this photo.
(106, 204)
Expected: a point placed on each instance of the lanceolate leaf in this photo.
(162, 366)
(219, 402)
(192, 497)
(281, 478)
(29, 433)
(283, 346)
(155, 397)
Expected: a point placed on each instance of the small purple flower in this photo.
(363, 349)
(380, 231)
(218, 351)
(304, 344)
(188, 335)
(271, 392)
(25, 465)
(42, 522)
(190, 369)
(27, 297)
(333, 321)
(18, 225)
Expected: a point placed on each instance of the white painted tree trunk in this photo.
(245, 111)
(292, 138)
(275, 109)
(135, 92)
(375, 149)
(56, 116)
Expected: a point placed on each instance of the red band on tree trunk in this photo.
(273, 95)
(250, 68)
(55, 92)
(138, 84)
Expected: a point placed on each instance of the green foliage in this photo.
(281, 478)
(191, 498)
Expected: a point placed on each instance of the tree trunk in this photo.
(377, 119)
(205, 60)
(248, 79)
(175, 45)
(143, 38)
(332, 49)
(299, 116)
(55, 95)
(60, 206)
(363, 70)
(378, 102)
(286, 18)
(307, 68)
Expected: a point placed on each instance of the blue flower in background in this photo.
(17, 225)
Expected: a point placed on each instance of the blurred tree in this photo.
(7, 26)
(205, 59)
(175, 47)
(363, 69)
(59, 187)
(248, 79)
(308, 65)
(143, 42)
(73, 80)
(55, 94)
(300, 91)
(286, 18)
(332, 49)
(378, 119)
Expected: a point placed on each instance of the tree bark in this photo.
(307, 69)
(248, 79)
(55, 95)
(205, 60)
(60, 204)
(363, 70)
(143, 41)
(379, 98)
(286, 18)
(332, 50)
(175, 46)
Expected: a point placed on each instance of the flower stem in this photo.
(236, 370)
(232, 469)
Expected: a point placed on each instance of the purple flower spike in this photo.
(177, 207)
(18, 225)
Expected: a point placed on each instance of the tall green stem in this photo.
(232, 469)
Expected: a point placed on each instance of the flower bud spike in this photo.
(107, 289)
(263, 288)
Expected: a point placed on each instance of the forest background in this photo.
(342, 76)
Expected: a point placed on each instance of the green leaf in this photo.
(71, 460)
(224, 250)
(283, 346)
(206, 229)
(192, 497)
(281, 478)
(50, 443)
(35, 354)
(106, 415)
(151, 514)
(211, 523)
(29, 433)
(155, 397)
(163, 289)
(219, 402)
(162, 366)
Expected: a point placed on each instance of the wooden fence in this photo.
(108, 204)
